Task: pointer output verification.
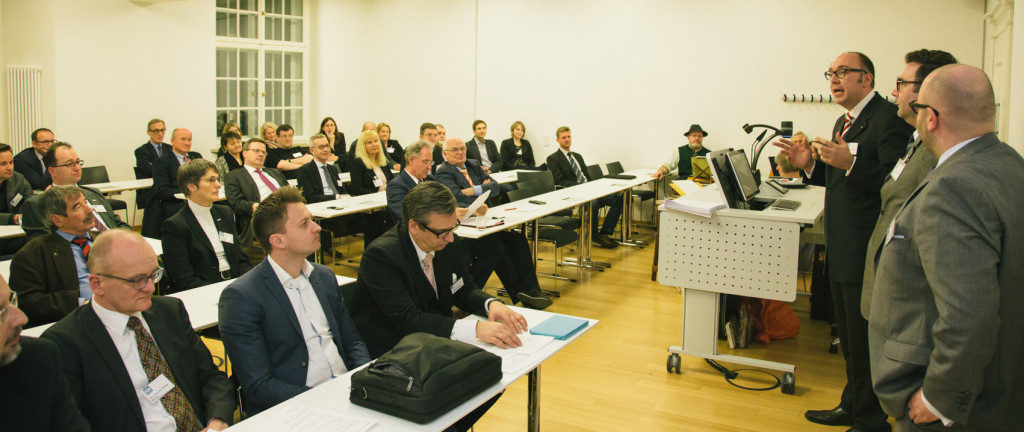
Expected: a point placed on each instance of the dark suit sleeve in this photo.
(495, 156)
(869, 171)
(177, 237)
(233, 192)
(310, 183)
(144, 160)
(164, 187)
(362, 178)
(217, 393)
(528, 154)
(560, 170)
(31, 278)
(396, 191)
(64, 415)
(70, 359)
(438, 158)
(16, 185)
(508, 154)
(399, 153)
(32, 220)
(36, 178)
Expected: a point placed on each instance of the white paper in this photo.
(479, 201)
(688, 186)
(514, 360)
(305, 419)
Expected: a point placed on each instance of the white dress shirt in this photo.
(263, 188)
(485, 160)
(209, 227)
(325, 182)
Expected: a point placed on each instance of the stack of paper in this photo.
(701, 208)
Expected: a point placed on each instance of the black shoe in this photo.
(602, 240)
(834, 417)
(534, 301)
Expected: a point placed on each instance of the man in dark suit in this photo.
(147, 154)
(246, 187)
(132, 360)
(482, 149)
(568, 169)
(870, 138)
(284, 324)
(34, 391)
(14, 191)
(29, 162)
(65, 168)
(163, 204)
(680, 159)
(50, 272)
(319, 181)
(911, 169)
(945, 318)
(201, 236)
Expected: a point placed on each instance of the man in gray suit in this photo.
(945, 327)
(911, 168)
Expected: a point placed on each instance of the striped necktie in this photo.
(580, 178)
(466, 174)
(174, 401)
(846, 126)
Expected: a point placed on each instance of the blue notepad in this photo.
(559, 327)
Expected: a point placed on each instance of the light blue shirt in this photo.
(84, 290)
(156, 147)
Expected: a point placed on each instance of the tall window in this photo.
(261, 64)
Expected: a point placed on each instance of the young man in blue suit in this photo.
(284, 323)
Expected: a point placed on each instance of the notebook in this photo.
(559, 327)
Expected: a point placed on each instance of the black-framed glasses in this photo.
(158, 130)
(443, 232)
(900, 83)
(914, 107)
(139, 282)
(841, 72)
(7, 311)
(71, 164)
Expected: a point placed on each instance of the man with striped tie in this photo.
(569, 169)
(245, 188)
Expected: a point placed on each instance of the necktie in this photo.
(428, 270)
(329, 180)
(266, 181)
(174, 401)
(580, 178)
(846, 126)
(466, 173)
(82, 242)
(186, 158)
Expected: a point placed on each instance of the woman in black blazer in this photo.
(336, 139)
(516, 152)
(370, 174)
(391, 147)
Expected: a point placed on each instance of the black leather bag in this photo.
(423, 377)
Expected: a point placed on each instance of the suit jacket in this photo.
(473, 152)
(165, 183)
(145, 156)
(36, 393)
(396, 154)
(393, 297)
(262, 336)
(508, 154)
(32, 219)
(26, 163)
(241, 192)
(450, 176)
(44, 274)
(562, 172)
(193, 262)
(438, 154)
(16, 191)
(946, 310)
(101, 385)
(311, 182)
(853, 202)
(362, 177)
(894, 194)
(396, 190)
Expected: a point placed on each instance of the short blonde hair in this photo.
(512, 129)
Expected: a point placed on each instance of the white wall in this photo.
(339, 82)
(1013, 127)
(27, 38)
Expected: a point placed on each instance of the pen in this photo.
(510, 209)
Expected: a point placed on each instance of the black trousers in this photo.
(506, 253)
(858, 396)
(614, 203)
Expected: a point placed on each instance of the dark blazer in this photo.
(393, 297)
(362, 177)
(339, 149)
(853, 202)
(165, 182)
(192, 262)
(438, 154)
(16, 191)
(450, 176)
(43, 273)
(35, 393)
(394, 151)
(145, 156)
(26, 163)
(101, 385)
(241, 191)
(561, 171)
(396, 190)
(312, 185)
(945, 315)
(473, 152)
(262, 336)
(32, 217)
(508, 154)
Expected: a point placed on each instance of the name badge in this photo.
(458, 283)
(898, 169)
(16, 200)
(340, 183)
(225, 237)
(297, 154)
(853, 148)
(891, 233)
(377, 182)
(157, 388)
(391, 150)
(99, 208)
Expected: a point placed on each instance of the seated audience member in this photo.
(245, 188)
(392, 150)
(14, 191)
(146, 154)
(329, 128)
(200, 238)
(34, 393)
(65, 168)
(230, 127)
(428, 133)
(410, 278)
(516, 152)
(114, 348)
(370, 174)
(163, 204)
(785, 167)
(50, 273)
(681, 158)
(29, 162)
(279, 351)
(268, 133)
(483, 150)
(320, 181)
(465, 177)
(442, 134)
(230, 153)
(287, 157)
(569, 169)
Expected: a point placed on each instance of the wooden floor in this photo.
(614, 377)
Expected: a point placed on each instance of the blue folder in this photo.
(559, 327)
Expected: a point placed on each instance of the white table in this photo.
(8, 231)
(121, 186)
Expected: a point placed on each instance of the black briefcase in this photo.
(423, 377)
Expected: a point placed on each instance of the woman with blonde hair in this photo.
(370, 174)
(268, 131)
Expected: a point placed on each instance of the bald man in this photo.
(945, 326)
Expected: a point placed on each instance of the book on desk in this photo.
(559, 327)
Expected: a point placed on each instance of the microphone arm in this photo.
(759, 144)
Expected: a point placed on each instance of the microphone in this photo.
(787, 129)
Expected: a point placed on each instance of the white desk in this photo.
(8, 231)
(121, 186)
(334, 395)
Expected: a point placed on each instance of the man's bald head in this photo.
(453, 142)
(101, 256)
(369, 126)
(963, 95)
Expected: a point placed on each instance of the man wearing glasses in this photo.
(869, 139)
(163, 204)
(147, 154)
(132, 359)
(29, 162)
(65, 167)
(320, 181)
(246, 187)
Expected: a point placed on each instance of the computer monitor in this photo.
(744, 176)
(721, 169)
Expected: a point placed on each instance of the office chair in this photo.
(98, 174)
(558, 237)
(638, 194)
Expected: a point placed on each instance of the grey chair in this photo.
(98, 174)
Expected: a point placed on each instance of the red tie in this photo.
(82, 242)
(186, 158)
(266, 181)
(846, 126)
(466, 173)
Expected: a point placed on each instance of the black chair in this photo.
(539, 182)
(595, 172)
(638, 194)
(98, 174)
(548, 233)
(141, 195)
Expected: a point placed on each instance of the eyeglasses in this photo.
(7, 311)
(158, 130)
(841, 73)
(441, 233)
(211, 179)
(900, 83)
(914, 106)
(427, 162)
(456, 150)
(139, 282)
(71, 164)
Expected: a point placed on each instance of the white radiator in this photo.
(24, 104)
